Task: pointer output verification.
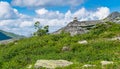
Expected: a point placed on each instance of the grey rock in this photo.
(77, 27)
(65, 48)
(82, 42)
(51, 64)
(106, 62)
(89, 65)
(115, 38)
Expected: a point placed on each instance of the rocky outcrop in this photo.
(77, 27)
(81, 27)
(113, 17)
(51, 64)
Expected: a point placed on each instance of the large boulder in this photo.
(51, 64)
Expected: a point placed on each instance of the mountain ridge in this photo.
(8, 35)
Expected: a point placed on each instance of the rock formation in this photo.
(81, 27)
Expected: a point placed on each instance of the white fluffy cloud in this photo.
(7, 12)
(45, 14)
(84, 14)
(41, 11)
(46, 3)
(102, 12)
(13, 21)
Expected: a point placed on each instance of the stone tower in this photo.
(75, 19)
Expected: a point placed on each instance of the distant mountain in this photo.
(81, 27)
(7, 35)
(3, 36)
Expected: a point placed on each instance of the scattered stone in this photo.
(82, 42)
(51, 64)
(106, 62)
(115, 38)
(29, 67)
(15, 43)
(65, 48)
(89, 65)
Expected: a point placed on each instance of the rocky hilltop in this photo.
(113, 17)
(80, 27)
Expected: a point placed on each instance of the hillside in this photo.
(101, 46)
(7, 35)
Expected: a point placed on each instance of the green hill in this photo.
(100, 47)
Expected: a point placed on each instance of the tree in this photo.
(37, 25)
(40, 30)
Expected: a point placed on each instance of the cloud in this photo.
(46, 3)
(7, 12)
(84, 14)
(45, 14)
(41, 11)
(13, 21)
(102, 12)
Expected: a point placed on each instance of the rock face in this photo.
(81, 27)
(77, 27)
(51, 64)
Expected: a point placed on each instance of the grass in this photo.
(25, 52)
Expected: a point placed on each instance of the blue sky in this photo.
(19, 15)
(113, 5)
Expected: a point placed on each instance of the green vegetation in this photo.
(20, 54)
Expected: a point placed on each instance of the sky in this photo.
(19, 16)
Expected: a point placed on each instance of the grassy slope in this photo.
(27, 51)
